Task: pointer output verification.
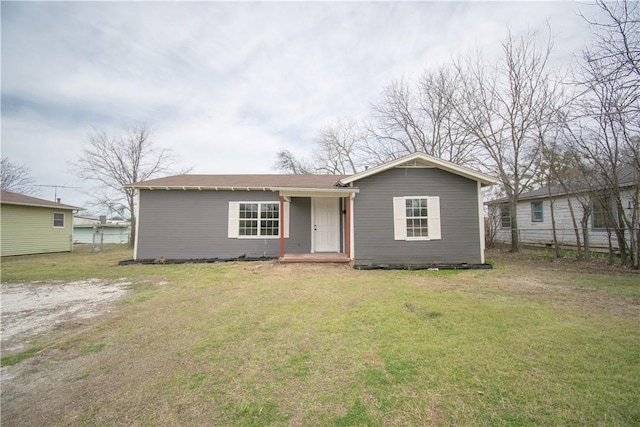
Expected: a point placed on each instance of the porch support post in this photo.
(281, 226)
(347, 232)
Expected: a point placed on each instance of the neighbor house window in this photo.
(416, 218)
(505, 216)
(58, 220)
(536, 212)
(256, 219)
(600, 207)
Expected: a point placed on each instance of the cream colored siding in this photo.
(29, 230)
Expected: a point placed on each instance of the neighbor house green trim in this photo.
(29, 230)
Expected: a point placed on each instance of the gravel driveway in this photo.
(30, 309)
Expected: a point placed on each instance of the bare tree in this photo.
(552, 168)
(338, 147)
(606, 128)
(16, 178)
(286, 162)
(508, 107)
(617, 39)
(114, 161)
(418, 116)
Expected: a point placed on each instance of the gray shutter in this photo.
(286, 219)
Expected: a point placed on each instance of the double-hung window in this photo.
(58, 220)
(255, 220)
(416, 218)
(601, 212)
(505, 216)
(536, 211)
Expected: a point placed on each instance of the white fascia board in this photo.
(484, 179)
(137, 213)
(481, 222)
(316, 192)
(197, 187)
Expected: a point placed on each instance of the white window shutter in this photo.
(399, 219)
(234, 220)
(433, 206)
(286, 219)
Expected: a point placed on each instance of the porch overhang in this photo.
(316, 192)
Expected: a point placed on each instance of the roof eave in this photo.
(197, 187)
(36, 205)
(484, 179)
(316, 192)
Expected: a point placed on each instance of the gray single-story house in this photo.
(415, 210)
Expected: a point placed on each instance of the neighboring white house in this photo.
(90, 229)
(535, 217)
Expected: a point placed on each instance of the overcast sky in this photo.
(227, 85)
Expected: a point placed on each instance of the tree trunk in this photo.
(515, 235)
(585, 235)
(132, 240)
(575, 228)
(553, 227)
(132, 207)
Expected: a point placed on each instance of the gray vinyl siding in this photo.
(299, 241)
(373, 218)
(194, 225)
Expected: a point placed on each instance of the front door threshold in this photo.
(336, 258)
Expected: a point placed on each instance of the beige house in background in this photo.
(29, 225)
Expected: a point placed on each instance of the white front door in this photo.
(326, 224)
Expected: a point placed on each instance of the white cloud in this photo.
(226, 85)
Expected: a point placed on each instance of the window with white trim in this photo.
(58, 220)
(416, 218)
(257, 220)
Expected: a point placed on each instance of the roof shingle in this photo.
(242, 181)
(7, 197)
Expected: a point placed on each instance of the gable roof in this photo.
(422, 159)
(625, 179)
(306, 182)
(239, 182)
(9, 198)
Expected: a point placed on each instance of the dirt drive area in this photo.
(30, 309)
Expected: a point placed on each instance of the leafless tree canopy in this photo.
(419, 116)
(338, 148)
(617, 40)
(286, 162)
(114, 161)
(16, 178)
